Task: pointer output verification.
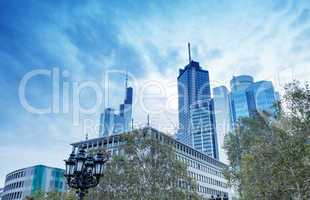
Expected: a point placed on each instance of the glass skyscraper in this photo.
(203, 129)
(116, 123)
(238, 97)
(193, 89)
(249, 98)
(222, 118)
(246, 98)
(262, 98)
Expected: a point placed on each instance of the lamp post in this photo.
(84, 171)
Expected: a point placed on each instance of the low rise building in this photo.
(24, 182)
(207, 171)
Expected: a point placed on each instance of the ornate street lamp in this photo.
(84, 171)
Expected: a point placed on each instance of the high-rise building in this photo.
(222, 118)
(207, 171)
(239, 103)
(25, 182)
(262, 98)
(194, 87)
(116, 123)
(203, 129)
(249, 98)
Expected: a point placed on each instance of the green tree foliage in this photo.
(270, 159)
(52, 195)
(145, 169)
(71, 195)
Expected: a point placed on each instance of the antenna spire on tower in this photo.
(148, 120)
(126, 83)
(126, 80)
(189, 52)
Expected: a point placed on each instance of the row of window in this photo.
(205, 179)
(202, 189)
(16, 175)
(206, 190)
(200, 166)
(196, 154)
(57, 173)
(115, 141)
(13, 195)
(56, 184)
(14, 186)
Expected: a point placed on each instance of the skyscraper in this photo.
(203, 128)
(262, 98)
(249, 98)
(194, 88)
(239, 103)
(115, 123)
(222, 118)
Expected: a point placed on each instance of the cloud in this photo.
(150, 40)
(302, 19)
(279, 5)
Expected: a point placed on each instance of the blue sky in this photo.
(266, 39)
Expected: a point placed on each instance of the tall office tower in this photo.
(203, 129)
(262, 98)
(222, 118)
(249, 98)
(107, 121)
(193, 87)
(112, 123)
(239, 103)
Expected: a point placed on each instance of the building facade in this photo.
(207, 171)
(203, 128)
(24, 182)
(262, 98)
(194, 87)
(248, 98)
(115, 123)
(238, 97)
(1, 192)
(222, 118)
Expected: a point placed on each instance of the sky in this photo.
(68, 60)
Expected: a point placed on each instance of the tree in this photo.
(38, 195)
(145, 169)
(70, 195)
(51, 195)
(270, 159)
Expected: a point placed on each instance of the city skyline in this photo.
(85, 39)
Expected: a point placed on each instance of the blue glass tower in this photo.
(112, 123)
(194, 88)
(262, 98)
(222, 118)
(249, 98)
(238, 97)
